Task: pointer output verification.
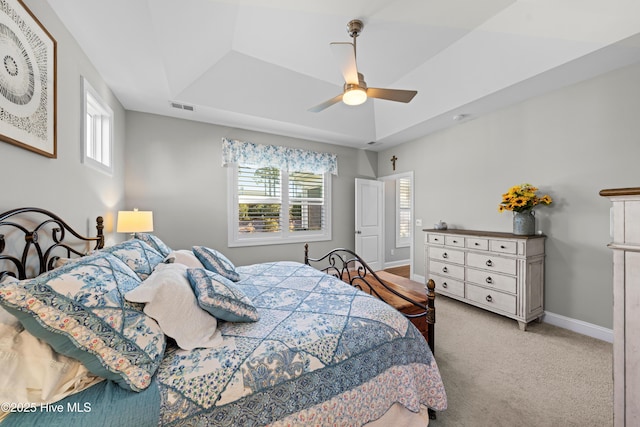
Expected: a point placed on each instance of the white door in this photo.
(369, 221)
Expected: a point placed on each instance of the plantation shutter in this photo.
(403, 230)
(260, 200)
(306, 201)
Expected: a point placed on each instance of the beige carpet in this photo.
(497, 375)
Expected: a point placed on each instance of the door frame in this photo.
(395, 177)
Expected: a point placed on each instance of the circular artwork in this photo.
(17, 81)
(27, 86)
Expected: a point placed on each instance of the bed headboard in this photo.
(32, 239)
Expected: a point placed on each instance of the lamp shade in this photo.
(134, 221)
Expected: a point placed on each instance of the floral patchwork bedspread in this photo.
(322, 351)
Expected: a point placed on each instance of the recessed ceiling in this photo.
(261, 64)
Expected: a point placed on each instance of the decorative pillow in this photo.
(185, 257)
(80, 311)
(171, 302)
(32, 372)
(138, 255)
(153, 241)
(220, 296)
(216, 262)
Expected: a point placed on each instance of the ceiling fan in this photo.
(355, 90)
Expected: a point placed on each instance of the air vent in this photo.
(180, 106)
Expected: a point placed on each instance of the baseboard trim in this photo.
(392, 264)
(575, 325)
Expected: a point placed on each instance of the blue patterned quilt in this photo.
(322, 353)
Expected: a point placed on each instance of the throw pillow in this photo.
(153, 241)
(138, 255)
(215, 261)
(221, 297)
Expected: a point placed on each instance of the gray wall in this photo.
(572, 143)
(64, 185)
(174, 168)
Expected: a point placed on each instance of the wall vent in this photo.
(181, 106)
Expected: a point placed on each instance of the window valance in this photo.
(285, 158)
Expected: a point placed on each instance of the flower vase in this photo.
(524, 223)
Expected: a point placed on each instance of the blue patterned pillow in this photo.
(138, 255)
(220, 296)
(79, 309)
(153, 241)
(216, 262)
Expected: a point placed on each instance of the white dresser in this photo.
(625, 234)
(500, 272)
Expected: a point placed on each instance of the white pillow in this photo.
(185, 257)
(32, 372)
(169, 300)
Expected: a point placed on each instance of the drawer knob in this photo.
(477, 244)
(444, 285)
(489, 263)
(502, 247)
(445, 270)
(455, 241)
(435, 239)
(445, 255)
(488, 298)
(489, 280)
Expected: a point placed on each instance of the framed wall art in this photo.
(27, 80)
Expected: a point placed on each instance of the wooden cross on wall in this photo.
(393, 161)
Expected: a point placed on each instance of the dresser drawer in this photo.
(446, 254)
(448, 285)
(451, 270)
(475, 243)
(490, 262)
(493, 280)
(503, 246)
(435, 239)
(455, 241)
(495, 300)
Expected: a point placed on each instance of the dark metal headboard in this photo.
(34, 238)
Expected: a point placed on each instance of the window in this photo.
(269, 205)
(97, 127)
(403, 212)
(277, 194)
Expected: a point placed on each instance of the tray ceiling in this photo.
(261, 64)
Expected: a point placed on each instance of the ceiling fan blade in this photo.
(326, 104)
(345, 54)
(397, 95)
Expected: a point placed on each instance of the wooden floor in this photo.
(402, 271)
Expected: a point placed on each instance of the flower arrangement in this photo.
(522, 198)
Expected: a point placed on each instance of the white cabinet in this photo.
(625, 234)
(500, 272)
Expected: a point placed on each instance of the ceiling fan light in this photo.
(354, 96)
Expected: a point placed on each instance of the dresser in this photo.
(625, 235)
(500, 272)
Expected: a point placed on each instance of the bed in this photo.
(140, 334)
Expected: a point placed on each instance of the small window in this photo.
(97, 130)
(403, 212)
(269, 206)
